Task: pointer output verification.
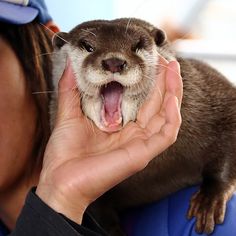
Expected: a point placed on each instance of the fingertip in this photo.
(174, 65)
(174, 83)
(173, 70)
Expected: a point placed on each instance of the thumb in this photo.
(68, 95)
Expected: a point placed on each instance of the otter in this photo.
(115, 63)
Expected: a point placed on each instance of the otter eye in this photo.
(139, 45)
(87, 46)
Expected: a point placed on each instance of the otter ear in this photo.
(159, 36)
(59, 39)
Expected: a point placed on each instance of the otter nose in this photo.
(114, 65)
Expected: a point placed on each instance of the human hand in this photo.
(81, 162)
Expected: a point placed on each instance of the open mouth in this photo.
(111, 115)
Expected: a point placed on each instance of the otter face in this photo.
(115, 65)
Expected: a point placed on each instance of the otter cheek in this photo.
(111, 115)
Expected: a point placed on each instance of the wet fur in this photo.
(203, 153)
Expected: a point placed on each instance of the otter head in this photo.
(115, 64)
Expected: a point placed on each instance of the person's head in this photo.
(25, 72)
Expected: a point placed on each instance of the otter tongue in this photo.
(112, 101)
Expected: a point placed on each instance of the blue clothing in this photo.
(168, 218)
(165, 218)
(23, 12)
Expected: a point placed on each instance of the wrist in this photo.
(62, 201)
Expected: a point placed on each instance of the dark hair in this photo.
(29, 42)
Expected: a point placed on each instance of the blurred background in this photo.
(202, 29)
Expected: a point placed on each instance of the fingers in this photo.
(164, 136)
(153, 103)
(174, 84)
(169, 118)
(171, 78)
(68, 95)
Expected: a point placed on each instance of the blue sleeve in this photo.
(168, 218)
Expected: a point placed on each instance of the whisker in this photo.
(169, 69)
(54, 34)
(45, 54)
(161, 65)
(44, 92)
(127, 26)
(88, 31)
(51, 31)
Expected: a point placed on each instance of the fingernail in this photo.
(68, 67)
(175, 65)
(67, 63)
